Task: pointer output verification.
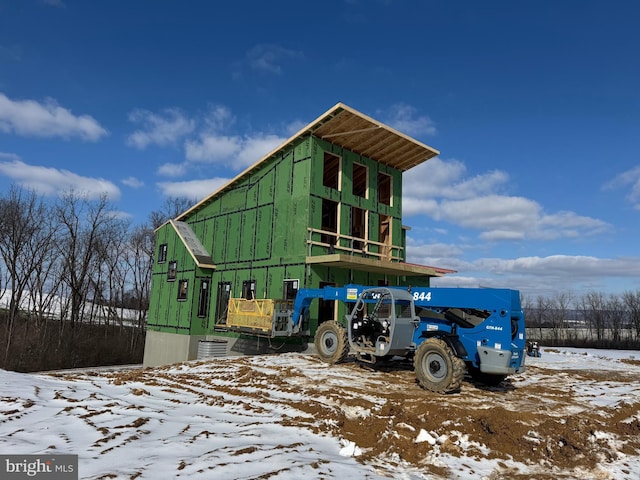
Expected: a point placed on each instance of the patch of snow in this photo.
(425, 436)
(350, 449)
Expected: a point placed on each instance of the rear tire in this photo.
(437, 367)
(332, 344)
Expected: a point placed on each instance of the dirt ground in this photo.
(548, 418)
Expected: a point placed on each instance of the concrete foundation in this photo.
(165, 348)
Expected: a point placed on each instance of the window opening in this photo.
(358, 227)
(203, 298)
(384, 188)
(222, 304)
(172, 271)
(359, 186)
(183, 289)
(162, 253)
(249, 289)
(331, 172)
(329, 222)
(290, 289)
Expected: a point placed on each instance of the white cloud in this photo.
(212, 148)
(440, 190)
(256, 147)
(193, 189)
(172, 169)
(162, 129)
(48, 119)
(405, 119)
(234, 151)
(536, 275)
(629, 178)
(295, 126)
(446, 178)
(52, 181)
(132, 182)
(219, 118)
(269, 57)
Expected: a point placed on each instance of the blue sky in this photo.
(534, 106)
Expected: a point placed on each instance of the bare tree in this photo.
(632, 303)
(21, 216)
(614, 317)
(44, 280)
(173, 206)
(558, 308)
(140, 260)
(593, 305)
(84, 225)
(111, 276)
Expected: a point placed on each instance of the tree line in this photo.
(74, 275)
(593, 319)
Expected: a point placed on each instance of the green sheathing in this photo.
(166, 312)
(256, 230)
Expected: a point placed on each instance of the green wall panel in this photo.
(283, 179)
(216, 244)
(248, 235)
(232, 241)
(252, 196)
(264, 232)
(234, 200)
(266, 188)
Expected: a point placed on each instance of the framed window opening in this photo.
(222, 304)
(331, 171)
(183, 289)
(290, 289)
(162, 253)
(249, 289)
(385, 188)
(203, 298)
(329, 222)
(358, 227)
(172, 271)
(360, 180)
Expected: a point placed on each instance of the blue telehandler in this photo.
(445, 331)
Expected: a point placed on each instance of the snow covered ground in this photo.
(574, 414)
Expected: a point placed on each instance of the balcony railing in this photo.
(333, 242)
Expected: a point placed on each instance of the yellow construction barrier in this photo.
(252, 315)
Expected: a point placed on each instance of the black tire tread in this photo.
(342, 350)
(457, 367)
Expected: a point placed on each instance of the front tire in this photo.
(437, 368)
(332, 344)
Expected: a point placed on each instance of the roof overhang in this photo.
(350, 129)
(347, 128)
(340, 260)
